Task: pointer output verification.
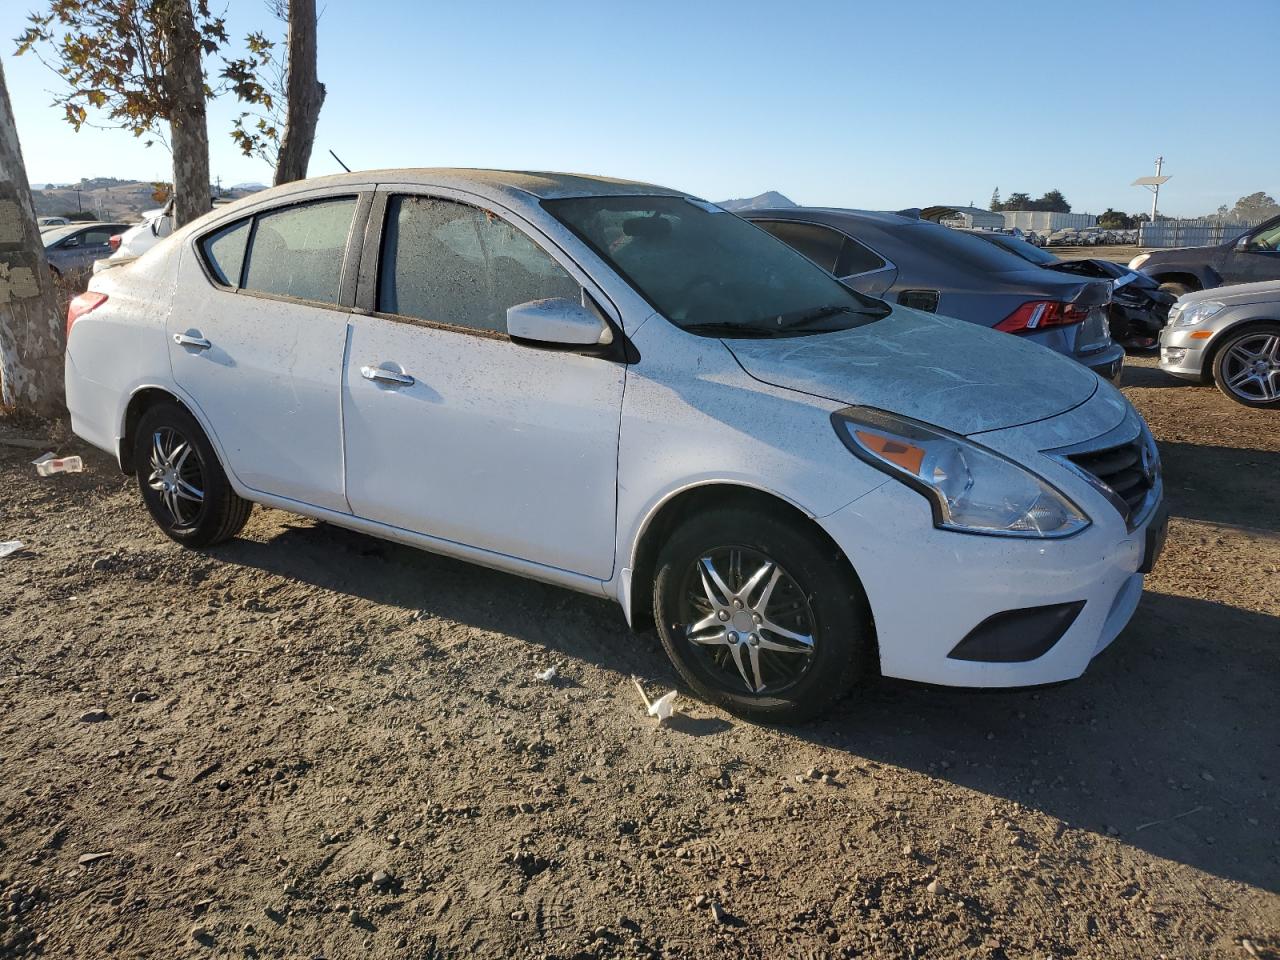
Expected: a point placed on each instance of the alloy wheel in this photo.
(749, 621)
(177, 474)
(1251, 367)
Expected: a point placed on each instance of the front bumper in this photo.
(1183, 356)
(929, 589)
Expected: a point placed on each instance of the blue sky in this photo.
(853, 104)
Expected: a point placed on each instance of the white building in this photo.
(1043, 221)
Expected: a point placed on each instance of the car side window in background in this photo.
(1266, 240)
(224, 252)
(856, 258)
(96, 238)
(298, 251)
(822, 245)
(449, 262)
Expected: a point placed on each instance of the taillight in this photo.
(1038, 314)
(81, 305)
(114, 242)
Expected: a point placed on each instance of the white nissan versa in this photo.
(624, 390)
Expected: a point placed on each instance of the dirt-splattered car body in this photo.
(573, 463)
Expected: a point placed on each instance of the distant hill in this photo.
(770, 198)
(109, 198)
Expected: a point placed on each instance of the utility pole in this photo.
(79, 207)
(1153, 184)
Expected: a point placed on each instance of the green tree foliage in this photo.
(113, 56)
(1052, 201)
(1256, 206)
(1116, 220)
(995, 200)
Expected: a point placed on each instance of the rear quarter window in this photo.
(223, 252)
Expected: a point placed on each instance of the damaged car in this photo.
(624, 390)
(1139, 307)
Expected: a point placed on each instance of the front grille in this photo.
(1122, 471)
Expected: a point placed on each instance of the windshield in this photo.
(1027, 251)
(710, 272)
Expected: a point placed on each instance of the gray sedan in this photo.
(75, 246)
(1231, 336)
(923, 265)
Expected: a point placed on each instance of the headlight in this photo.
(1139, 260)
(1193, 313)
(970, 488)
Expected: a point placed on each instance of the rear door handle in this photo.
(198, 343)
(383, 375)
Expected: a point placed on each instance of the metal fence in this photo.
(1190, 233)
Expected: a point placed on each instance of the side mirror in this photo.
(557, 322)
(70, 242)
(1242, 245)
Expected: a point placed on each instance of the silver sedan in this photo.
(1230, 336)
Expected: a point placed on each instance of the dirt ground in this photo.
(309, 743)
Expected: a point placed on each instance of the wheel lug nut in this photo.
(723, 614)
(733, 637)
(753, 640)
(755, 617)
(737, 604)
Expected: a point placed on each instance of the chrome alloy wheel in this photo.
(1251, 368)
(177, 475)
(749, 619)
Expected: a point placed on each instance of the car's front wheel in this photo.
(181, 481)
(1247, 366)
(760, 615)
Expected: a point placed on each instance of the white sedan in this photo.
(625, 390)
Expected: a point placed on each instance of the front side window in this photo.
(1268, 239)
(298, 251)
(96, 238)
(449, 262)
(712, 273)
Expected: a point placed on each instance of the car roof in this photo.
(65, 230)
(527, 183)
(878, 217)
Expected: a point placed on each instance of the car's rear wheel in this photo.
(1246, 366)
(760, 615)
(181, 481)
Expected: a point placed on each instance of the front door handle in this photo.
(198, 343)
(383, 375)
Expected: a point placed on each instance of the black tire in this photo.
(219, 514)
(815, 582)
(1228, 366)
(1177, 289)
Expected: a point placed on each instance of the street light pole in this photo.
(1155, 190)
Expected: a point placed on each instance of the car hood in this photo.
(955, 375)
(1268, 291)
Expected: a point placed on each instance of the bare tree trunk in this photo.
(32, 332)
(188, 129)
(305, 93)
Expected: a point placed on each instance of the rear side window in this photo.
(224, 252)
(448, 262)
(298, 251)
(822, 245)
(856, 258)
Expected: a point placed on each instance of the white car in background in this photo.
(627, 391)
(137, 240)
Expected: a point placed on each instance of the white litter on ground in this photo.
(10, 546)
(547, 675)
(49, 464)
(662, 708)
